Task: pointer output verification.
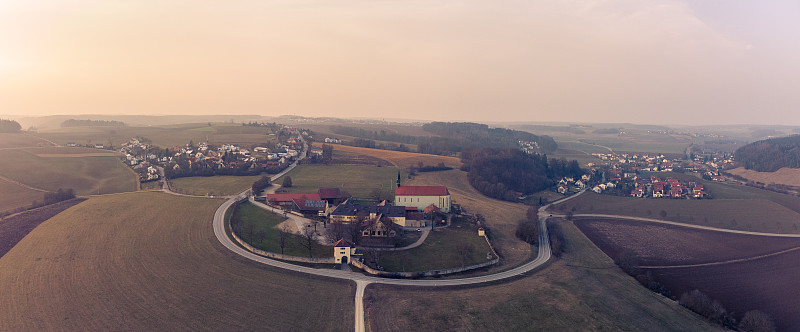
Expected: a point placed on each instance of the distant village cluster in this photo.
(621, 174)
(203, 159)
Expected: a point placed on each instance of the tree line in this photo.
(502, 173)
(92, 123)
(771, 154)
(9, 126)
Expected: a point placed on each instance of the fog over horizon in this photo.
(615, 61)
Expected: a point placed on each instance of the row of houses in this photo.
(669, 188)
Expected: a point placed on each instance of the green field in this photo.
(439, 251)
(759, 215)
(151, 262)
(213, 185)
(86, 175)
(163, 136)
(358, 180)
(581, 291)
(263, 220)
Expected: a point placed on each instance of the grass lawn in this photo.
(86, 175)
(441, 250)
(220, 185)
(150, 261)
(263, 220)
(358, 180)
(581, 291)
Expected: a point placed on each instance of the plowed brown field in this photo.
(756, 272)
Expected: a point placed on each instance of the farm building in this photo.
(421, 196)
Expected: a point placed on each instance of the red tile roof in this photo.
(343, 243)
(421, 191)
(329, 193)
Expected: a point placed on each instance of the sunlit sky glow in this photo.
(642, 61)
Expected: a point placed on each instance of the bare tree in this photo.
(335, 232)
(283, 234)
(309, 235)
(465, 252)
(261, 235)
(756, 321)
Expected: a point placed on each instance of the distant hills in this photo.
(771, 154)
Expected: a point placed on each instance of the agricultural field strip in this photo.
(730, 261)
(614, 216)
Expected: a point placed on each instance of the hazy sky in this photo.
(643, 61)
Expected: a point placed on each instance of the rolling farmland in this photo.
(14, 228)
(86, 175)
(581, 291)
(155, 265)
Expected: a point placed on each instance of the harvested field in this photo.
(401, 159)
(155, 265)
(787, 176)
(86, 175)
(663, 245)
(767, 282)
(582, 291)
(219, 185)
(758, 215)
(14, 228)
(351, 158)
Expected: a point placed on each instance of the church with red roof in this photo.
(422, 197)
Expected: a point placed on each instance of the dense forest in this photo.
(448, 138)
(92, 123)
(502, 173)
(9, 126)
(771, 154)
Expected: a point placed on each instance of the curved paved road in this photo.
(362, 280)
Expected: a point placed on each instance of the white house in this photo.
(423, 196)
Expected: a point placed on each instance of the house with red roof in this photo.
(423, 196)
